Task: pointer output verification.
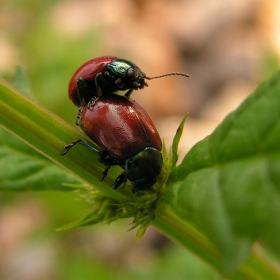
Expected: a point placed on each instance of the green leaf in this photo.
(24, 169)
(228, 185)
(141, 231)
(22, 83)
(176, 141)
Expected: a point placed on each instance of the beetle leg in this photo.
(79, 116)
(121, 179)
(107, 160)
(79, 141)
(115, 79)
(105, 172)
(128, 93)
(69, 146)
(92, 101)
(83, 89)
(97, 85)
(119, 83)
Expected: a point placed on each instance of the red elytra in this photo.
(119, 126)
(87, 71)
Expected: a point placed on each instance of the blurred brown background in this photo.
(228, 48)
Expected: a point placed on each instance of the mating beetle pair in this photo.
(127, 137)
(118, 125)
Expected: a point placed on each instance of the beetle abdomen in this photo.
(120, 126)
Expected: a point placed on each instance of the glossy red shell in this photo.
(88, 71)
(119, 126)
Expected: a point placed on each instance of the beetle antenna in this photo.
(168, 74)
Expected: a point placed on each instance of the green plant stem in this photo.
(185, 234)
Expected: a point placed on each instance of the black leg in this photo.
(92, 101)
(84, 91)
(82, 142)
(79, 116)
(107, 160)
(121, 179)
(128, 93)
(98, 90)
(105, 172)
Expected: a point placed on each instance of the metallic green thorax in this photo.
(119, 67)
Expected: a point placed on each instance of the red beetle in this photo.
(127, 136)
(106, 75)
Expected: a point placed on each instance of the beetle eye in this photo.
(131, 73)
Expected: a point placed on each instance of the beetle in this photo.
(106, 75)
(127, 137)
